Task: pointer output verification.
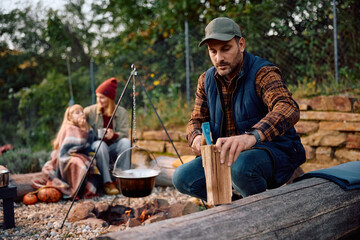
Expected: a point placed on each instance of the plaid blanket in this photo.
(68, 165)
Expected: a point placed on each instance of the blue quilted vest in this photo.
(287, 151)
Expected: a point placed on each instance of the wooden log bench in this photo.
(314, 208)
(23, 183)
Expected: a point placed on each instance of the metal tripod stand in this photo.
(134, 76)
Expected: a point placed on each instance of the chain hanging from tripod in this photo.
(134, 106)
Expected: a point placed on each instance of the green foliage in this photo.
(175, 118)
(41, 108)
(153, 37)
(31, 110)
(303, 89)
(348, 85)
(23, 160)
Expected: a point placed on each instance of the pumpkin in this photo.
(49, 195)
(30, 198)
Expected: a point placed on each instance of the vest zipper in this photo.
(232, 104)
(222, 116)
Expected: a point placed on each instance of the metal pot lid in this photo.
(136, 173)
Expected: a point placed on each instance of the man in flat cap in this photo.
(251, 115)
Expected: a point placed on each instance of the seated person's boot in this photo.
(110, 189)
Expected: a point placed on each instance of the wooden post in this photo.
(218, 176)
(7, 194)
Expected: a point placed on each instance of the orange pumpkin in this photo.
(30, 198)
(49, 195)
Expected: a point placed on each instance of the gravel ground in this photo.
(43, 220)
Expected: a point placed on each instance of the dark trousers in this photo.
(251, 173)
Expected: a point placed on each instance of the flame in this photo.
(142, 216)
(127, 212)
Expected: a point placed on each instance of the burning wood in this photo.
(118, 215)
(128, 213)
(142, 216)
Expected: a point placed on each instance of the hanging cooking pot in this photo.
(136, 182)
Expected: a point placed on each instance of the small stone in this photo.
(101, 209)
(34, 216)
(81, 211)
(353, 141)
(113, 228)
(189, 208)
(309, 152)
(345, 155)
(133, 222)
(306, 127)
(324, 154)
(89, 223)
(57, 225)
(175, 210)
(156, 218)
(160, 203)
(331, 103)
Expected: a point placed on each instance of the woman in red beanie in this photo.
(116, 139)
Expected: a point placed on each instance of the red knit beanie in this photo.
(108, 88)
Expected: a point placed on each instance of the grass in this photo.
(308, 89)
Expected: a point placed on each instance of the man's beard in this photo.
(231, 69)
(226, 72)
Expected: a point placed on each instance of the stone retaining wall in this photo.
(329, 128)
(158, 142)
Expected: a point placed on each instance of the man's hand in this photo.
(235, 145)
(195, 146)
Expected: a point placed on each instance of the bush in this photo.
(173, 112)
(23, 160)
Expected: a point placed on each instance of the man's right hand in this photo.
(195, 146)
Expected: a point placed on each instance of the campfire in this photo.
(120, 215)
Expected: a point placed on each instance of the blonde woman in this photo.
(71, 158)
(116, 139)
